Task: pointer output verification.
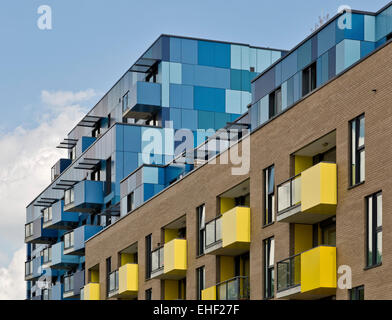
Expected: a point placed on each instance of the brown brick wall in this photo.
(327, 109)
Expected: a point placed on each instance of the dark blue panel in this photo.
(222, 55)
(264, 85)
(235, 79)
(331, 63)
(357, 31)
(366, 48)
(214, 54)
(314, 48)
(165, 48)
(209, 99)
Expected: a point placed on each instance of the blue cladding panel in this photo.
(130, 162)
(188, 74)
(326, 38)
(206, 120)
(354, 32)
(235, 79)
(332, 63)
(175, 50)
(132, 140)
(221, 120)
(384, 23)
(366, 48)
(209, 99)
(189, 51)
(264, 85)
(370, 28)
(278, 75)
(214, 54)
(175, 116)
(289, 66)
(150, 175)
(189, 119)
(211, 77)
(290, 91)
(149, 93)
(304, 55)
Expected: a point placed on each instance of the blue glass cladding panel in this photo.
(314, 41)
(181, 96)
(304, 55)
(264, 85)
(326, 38)
(384, 23)
(332, 63)
(221, 120)
(132, 138)
(86, 142)
(289, 66)
(175, 117)
(188, 74)
(175, 49)
(235, 79)
(130, 162)
(278, 75)
(149, 93)
(366, 48)
(214, 54)
(370, 28)
(356, 32)
(189, 51)
(347, 53)
(290, 91)
(206, 120)
(233, 101)
(150, 175)
(211, 77)
(189, 119)
(209, 99)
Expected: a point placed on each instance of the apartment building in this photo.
(309, 212)
(178, 83)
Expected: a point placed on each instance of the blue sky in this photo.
(93, 42)
(48, 79)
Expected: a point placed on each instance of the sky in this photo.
(49, 78)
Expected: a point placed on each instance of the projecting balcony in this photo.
(85, 196)
(33, 268)
(73, 284)
(229, 234)
(143, 100)
(170, 261)
(124, 282)
(61, 261)
(59, 167)
(309, 197)
(54, 217)
(90, 291)
(236, 288)
(35, 233)
(308, 275)
(74, 241)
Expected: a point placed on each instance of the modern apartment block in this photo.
(178, 83)
(305, 221)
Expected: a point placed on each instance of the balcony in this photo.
(35, 233)
(59, 167)
(73, 284)
(60, 260)
(236, 288)
(124, 282)
(85, 196)
(170, 261)
(229, 234)
(90, 291)
(143, 100)
(309, 197)
(54, 217)
(309, 275)
(74, 241)
(33, 268)
(57, 291)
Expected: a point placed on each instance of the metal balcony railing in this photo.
(69, 240)
(236, 288)
(289, 272)
(68, 283)
(213, 232)
(157, 261)
(113, 282)
(289, 194)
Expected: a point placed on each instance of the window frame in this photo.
(373, 230)
(268, 269)
(268, 196)
(356, 150)
(311, 85)
(356, 291)
(201, 230)
(200, 281)
(274, 108)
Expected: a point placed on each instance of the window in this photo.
(47, 255)
(309, 79)
(201, 219)
(269, 253)
(374, 229)
(29, 230)
(69, 240)
(357, 129)
(148, 256)
(69, 196)
(108, 182)
(108, 271)
(269, 195)
(130, 202)
(200, 278)
(357, 293)
(149, 294)
(72, 154)
(96, 175)
(125, 102)
(47, 213)
(275, 102)
(96, 131)
(109, 120)
(68, 283)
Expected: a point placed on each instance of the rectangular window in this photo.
(72, 154)
(269, 195)
(130, 202)
(125, 102)
(309, 79)
(200, 278)
(275, 102)
(109, 120)
(357, 293)
(269, 256)
(149, 294)
(108, 182)
(357, 154)
(69, 240)
(201, 219)
(148, 256)
(96, 175)
(374, 229)
(29, 229)
(108, 271)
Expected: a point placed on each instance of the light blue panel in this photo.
(175, 116)
(289, 66)
(278, 74)
(263, 59)
(284, 95)
(175, 49)
(297, 86)
(206, 120)
(145, 158)
(245, 58)
(275, 56)
(304, 55)
(150, 175)
(221, 120)
(246, 99)
(189, 119)
(209, 99)
(253, 58)
(235, 57)
(254, 115)
(132, 138)
(188, 74)
(175, 73)
(370, 28)
(233, 101)
(189, 51)
(264, 110)
(347, 53)
(384, 23)
(165, 74)
(212, 77)
(326, 38)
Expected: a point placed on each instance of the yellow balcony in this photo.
(170, 261)
(229, 234)
(91, 291)
(309, 197)
(236, 288)
(309, 275)
(128, 281)
(209, 293)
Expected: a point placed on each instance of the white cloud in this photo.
(12, 284)
(27, 156)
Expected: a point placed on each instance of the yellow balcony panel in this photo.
(209, 293)
(128, 281)
(175, 259)
(309, 275)
(309, 197)
(91, 291)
